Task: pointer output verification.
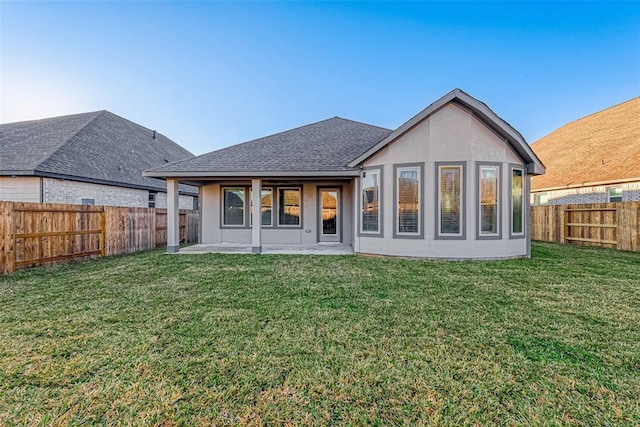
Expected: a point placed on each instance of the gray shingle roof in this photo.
(96, 147)
(325, 146)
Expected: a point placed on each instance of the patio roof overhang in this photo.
(200, 178)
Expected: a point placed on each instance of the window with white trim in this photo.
(450, 187)
(541, 199)
(517, 201)
(370, 215)
(489, 200)
(408, 200)
(615, 194)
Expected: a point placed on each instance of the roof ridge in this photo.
(242, 143)
(573, 122)
(143, 127)
(605, 109)
(265, 137)
(98, 114)
(359, 122)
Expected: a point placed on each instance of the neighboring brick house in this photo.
(595, 159)
(90, 158)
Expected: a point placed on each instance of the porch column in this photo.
(256, 227)
(173, 217)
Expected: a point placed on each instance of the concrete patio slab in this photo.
(309, 249)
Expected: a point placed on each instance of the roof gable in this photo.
(480, 111)
(603, 147)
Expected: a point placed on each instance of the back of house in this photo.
(451, 182)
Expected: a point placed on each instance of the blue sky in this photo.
(211, 74)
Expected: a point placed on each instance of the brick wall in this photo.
(596, 194)
(184, 202)
(72, 192)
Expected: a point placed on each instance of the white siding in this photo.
(20, 189)
(184, 201)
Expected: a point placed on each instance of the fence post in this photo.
(7, 245)
(565, 218)
(103, 240)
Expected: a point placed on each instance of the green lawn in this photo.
(155, 339)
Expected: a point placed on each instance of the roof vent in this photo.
(154, 135)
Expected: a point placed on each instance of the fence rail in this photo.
(612, 225)
(45, 233)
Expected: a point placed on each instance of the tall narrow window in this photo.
(450, 223)
(234, 200)
(289, 206)
(489, 200)
(517, 201)
(408, 200)
(370, 221)
(266, 206)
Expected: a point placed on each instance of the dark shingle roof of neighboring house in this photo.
(325, 146)
(98, 147)
(601, 148)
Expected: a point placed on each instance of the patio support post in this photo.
(256, 227)
(173, 217)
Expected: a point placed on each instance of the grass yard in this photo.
(154, 339)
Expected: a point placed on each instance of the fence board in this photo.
(42, 233)
(615, 225)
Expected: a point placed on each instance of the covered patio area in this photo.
(281, 249)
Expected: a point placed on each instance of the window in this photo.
(289, 206)
(450, 200)
(266, 206)
(89, 202)
(233, 209)
(370, 219)
(408, 205)
(195, 203)
(615, 194)
(152, 199)
(489, 200)
(541, 199)
(517, 202)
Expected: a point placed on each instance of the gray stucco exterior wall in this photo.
(213, 230)
(451, 134)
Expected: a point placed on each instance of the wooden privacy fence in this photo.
(44, 233)
(612, 225)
